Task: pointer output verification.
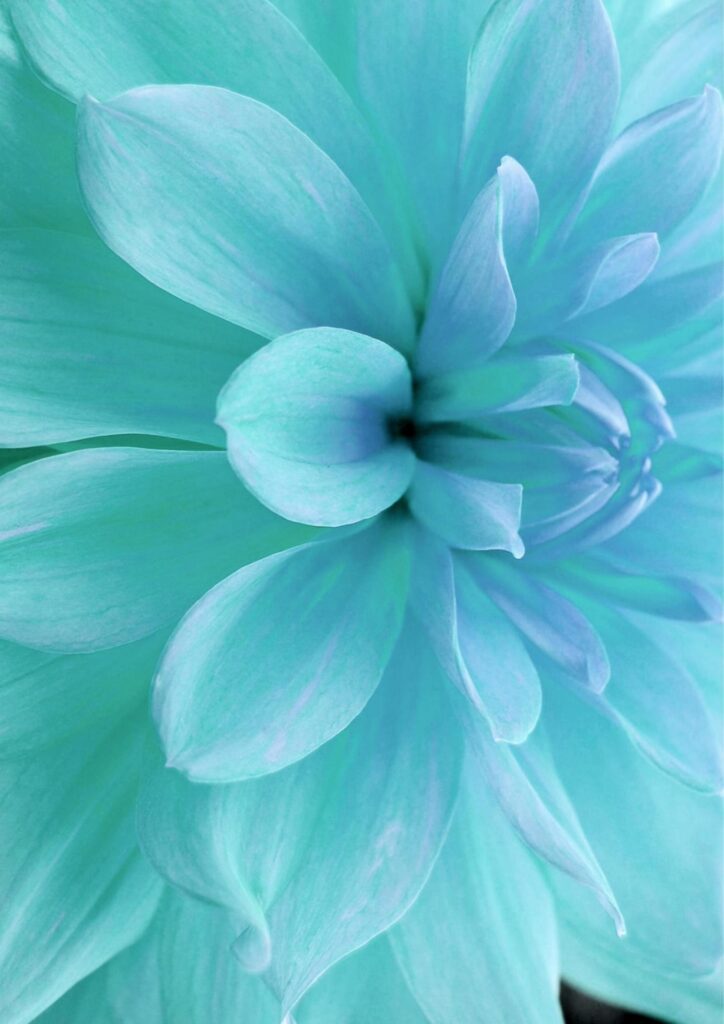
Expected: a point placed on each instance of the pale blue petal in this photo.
(624, 264)
(279, 241)
(310, 424)
(282, 655)
(656, 171)
(542, 87)
(104, 546)
(104, 352)
(466, 512)
(521, 211)
(74, 887)
(336, 879)
(502, 385)
(480, 943)
(472, 305)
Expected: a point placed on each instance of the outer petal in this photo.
(308, 881)
(103, 351)
(480, 942)
(310, 426)
(75, 889)
(104, 546)
(281, 656)
(542, 86)
(280, 240)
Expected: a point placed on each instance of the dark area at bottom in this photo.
(580, 1009)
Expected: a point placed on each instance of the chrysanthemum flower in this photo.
(339, 380)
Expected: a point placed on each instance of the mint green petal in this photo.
(367, 986)
(181, 970)
(656, 171)
(48, 697)
(310, 421)
(543, 87)
(238, 212)
(38, 185)
(502, 385)
(472, 305)
(74, 887)
(248, 46)
(480, 942)
(244, 689)
(103, 351)
(104, 546)
(466, 512)
(663, 858)
(336, 879)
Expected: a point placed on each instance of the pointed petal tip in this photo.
(253, 948)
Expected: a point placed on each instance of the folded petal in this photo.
(466, 512)
(282, 655)
(480, 941)
(93, 349)
(105, 546)
(310, 426)
(543, 87)
(279, 241)
(335, 879)
(75, 888)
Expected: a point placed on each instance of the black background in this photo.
(579, 1009)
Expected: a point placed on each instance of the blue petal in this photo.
(309, 421)
(281, 656)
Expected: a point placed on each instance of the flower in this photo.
(427, 594)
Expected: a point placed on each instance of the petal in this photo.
(472, 308)
(656, 171)
(624, 263)
(502, 385)
(480, 941)
(466, 512)
(542, 86)
(75, 889)
(309, 425)
(281, 240)
(521, 211)
(92, 349)
(241, 691)
(247, 46)
(105, 546)
(335, 879)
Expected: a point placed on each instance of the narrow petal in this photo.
(309, 421)
(105, 546)
(521, 211)
(480, 942)
(466, 512)
(260, 692)
(279, 241)
(624, 264)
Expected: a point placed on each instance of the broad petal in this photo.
(656, 171)
(281, 240)
(309, 421)
(243, 690)
(104, 352)
(480, 942)
(75, 889)
(472, 308)
(335, 879)
(543, 87)
(105, 546)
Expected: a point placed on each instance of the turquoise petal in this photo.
(480, 942)
(281, 240)
(74, 887)
(543, 87)
(336, 879)
(309, 421)
(656, 171)
(259, 692)
(112, 544)
(472, 306)
(104, 351)
(466, 512)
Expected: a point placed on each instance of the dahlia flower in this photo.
(359, 510)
